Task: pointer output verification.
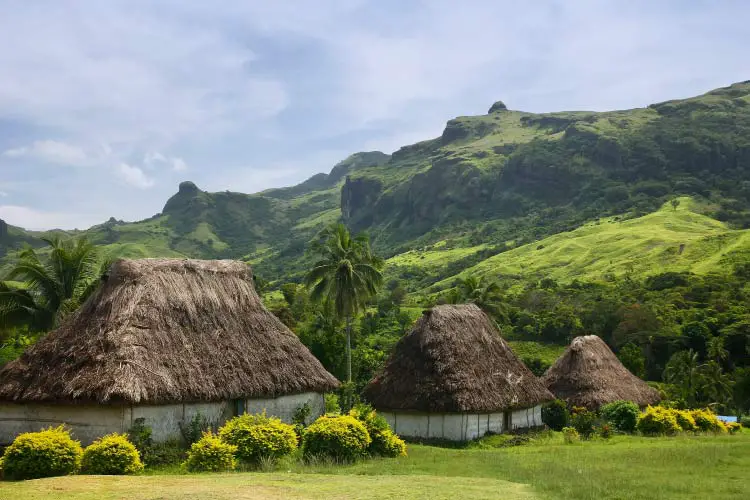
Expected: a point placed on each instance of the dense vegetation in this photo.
(631, 225)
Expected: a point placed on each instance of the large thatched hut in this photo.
(162, 340)
(588, 374)
(453, 377)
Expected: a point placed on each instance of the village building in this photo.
(162, 340)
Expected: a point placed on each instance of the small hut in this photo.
(453, 377)
(162, 340)
(588, 374)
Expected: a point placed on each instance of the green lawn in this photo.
(703, 467)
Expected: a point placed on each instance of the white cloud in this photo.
(134, 176)
(156, 159)
(179, 165)
(37, 220)
(50, 151)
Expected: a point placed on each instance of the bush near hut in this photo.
(555, 415)
(211, 454)
(111, 455)
(584, 421)
(51, 452)
(340, 437)
(707, 421)
(623, 415)
(258, 437)
(733, 427)
(570, 435)
(656, 421)
(745, 421)
(685, 420)
(384, 441)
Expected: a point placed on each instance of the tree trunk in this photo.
(349, 349)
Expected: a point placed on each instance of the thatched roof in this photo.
(454, 360)
(589, 374)
(164, 330)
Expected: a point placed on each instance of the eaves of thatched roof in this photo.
(166, 331)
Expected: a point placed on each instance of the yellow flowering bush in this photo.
(258, 437)
(657, 420)
(337, 436)
(111, 455)
(706, 421)
(210, 454)
(384, 441)
(51, 452)
(685, 420)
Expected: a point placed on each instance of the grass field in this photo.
(703, 467)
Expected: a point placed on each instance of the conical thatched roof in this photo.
(163, 330)
(589, 374)
(454, 360)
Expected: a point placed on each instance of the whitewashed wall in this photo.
(89, 422)
(459, 426)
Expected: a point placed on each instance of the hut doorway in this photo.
(506, 421)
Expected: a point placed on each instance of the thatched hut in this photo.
(588, 374)
(162, 340)
(453, 377)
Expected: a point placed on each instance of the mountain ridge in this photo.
(486, 180)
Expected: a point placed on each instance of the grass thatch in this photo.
(161, 331)
(589, 374)
(454, 360)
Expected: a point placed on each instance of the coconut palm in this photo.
(714, 383)
(484, 293)
(683, 370)
(716, 350)
(347, 275)
(39, 294)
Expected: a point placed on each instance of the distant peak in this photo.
(188, 187)
(498, 106)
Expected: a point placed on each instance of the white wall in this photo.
(458, 426)
(88, 422)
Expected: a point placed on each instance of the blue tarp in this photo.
(726, 419)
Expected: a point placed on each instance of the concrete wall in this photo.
(89, 422)
(459, 426)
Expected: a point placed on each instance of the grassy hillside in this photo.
(669, 239)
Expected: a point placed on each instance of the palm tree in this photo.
(49, 290)
(347, 276)
(683, 371)
(714, 383)
(482, 292)
(716, 350)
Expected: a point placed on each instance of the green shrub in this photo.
(555, 415)
(332, 403)
(685, 420)
(384, 441)
(258, 437)
(745, 421)
(348, 396)
(211, 454)
(583, 421)
(340, 437)
(195, 428)
(570, 435)
(51, 452)
(657, 420)
(111, 455)
(167, 453)
(706, 421)
(623, 415)
(140, 435)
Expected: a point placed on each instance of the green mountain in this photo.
(507, 193)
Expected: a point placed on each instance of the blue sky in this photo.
(106, 106)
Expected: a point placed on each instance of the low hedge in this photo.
(211, 454)
(48, 453)
(258, 437)
(341, 437)
(111, 455)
